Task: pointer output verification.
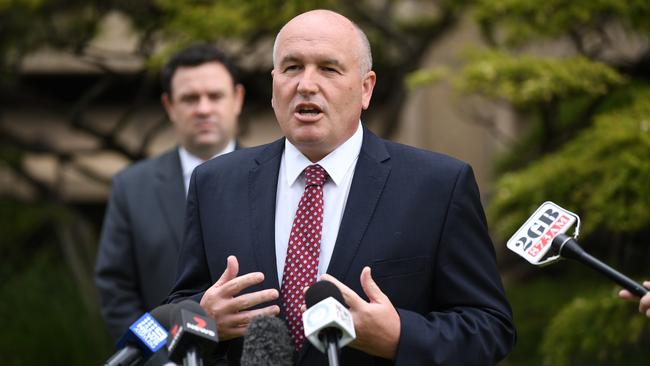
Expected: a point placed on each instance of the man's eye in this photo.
(291, 68)
(189, 98)
(215, 96)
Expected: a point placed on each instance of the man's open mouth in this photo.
(308, 109)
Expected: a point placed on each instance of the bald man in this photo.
(399, 230)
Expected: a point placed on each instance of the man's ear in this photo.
(367, 86)
(240, 92)
(166, 102)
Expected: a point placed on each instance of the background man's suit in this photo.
(413, 216)
(140, 239)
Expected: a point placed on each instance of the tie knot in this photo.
(315, 175)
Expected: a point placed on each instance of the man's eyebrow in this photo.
(295, 58)
(332, 62)
(289, 58)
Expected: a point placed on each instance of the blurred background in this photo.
(546, 100)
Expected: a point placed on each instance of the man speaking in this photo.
(399, 230)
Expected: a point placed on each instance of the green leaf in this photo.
(527, 80)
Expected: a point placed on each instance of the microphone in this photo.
(267, 343)
(327, 322)
(193, 334)
(143, 338)
(542, 240)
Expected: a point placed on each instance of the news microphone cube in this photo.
(328, 313)
(146, 333)
(190, 329)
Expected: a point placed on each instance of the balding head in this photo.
(328, 18)
(321, 81)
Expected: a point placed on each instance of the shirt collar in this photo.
(190, 161)
(335, 163)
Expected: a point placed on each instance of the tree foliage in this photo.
(603, 172)
(526, 80)
(612, 337)
(585, 117)
(529, 20)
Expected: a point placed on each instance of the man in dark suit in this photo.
(399, 230)
(142, 231)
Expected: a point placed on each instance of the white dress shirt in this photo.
(190, 161)
(340, 165)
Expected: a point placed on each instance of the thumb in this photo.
(232, 268)
(371, 289)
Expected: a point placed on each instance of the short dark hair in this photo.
(195, 55)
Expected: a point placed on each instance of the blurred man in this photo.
(334, 201)
(644, 302)
(143, 225)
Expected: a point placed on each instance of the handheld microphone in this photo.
(267, 343)
(143, 338)
(327, 322)
(193, 334)
(542, 240)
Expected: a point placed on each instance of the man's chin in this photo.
(208, 147)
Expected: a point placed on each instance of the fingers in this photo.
(243, 318)
(625, 294)
(351, 298)
(235, 325)
(238, 284)
(246, 301)
(223, 302)
(232, 268)
(371, 289)
(644, 303)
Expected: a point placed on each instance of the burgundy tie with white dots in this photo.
(301, 264)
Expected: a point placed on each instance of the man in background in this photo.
(143, 225)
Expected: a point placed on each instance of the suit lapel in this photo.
(368, 183)
(263, 183)
(171, 193)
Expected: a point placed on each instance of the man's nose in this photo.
(308, 83)
(204, 105)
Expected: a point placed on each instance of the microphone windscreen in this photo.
(320, 291)
(267, 343)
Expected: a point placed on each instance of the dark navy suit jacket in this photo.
(140, 240)
(413, 216)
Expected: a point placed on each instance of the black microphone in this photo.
(569, 248)
(143, 338)
(267, 343)
(542, 240)
(327, 322)
(192, 336)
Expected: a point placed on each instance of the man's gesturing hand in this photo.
(223, 303)
(376, 323)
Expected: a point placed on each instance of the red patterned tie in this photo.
(301, 264)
